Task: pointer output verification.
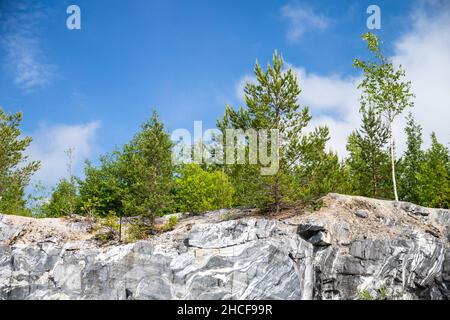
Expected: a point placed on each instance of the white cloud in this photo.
(22, 45)
(335, 99)
(49, 146)
(328, 93)
(424, 52)
(300, 19)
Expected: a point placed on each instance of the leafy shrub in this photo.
(198, 190)
(133, 180)
(63, 201)
(102, 191)
(365, 295)
(381, 294)
(137, 230)
(173, 220)
(108, 229)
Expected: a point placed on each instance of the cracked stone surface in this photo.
(329, 254)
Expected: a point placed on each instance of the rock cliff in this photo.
(353, 247)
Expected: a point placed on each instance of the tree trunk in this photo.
(277, 194)
(120, 229)
(374, 177)
(391, 145)
(277, 200)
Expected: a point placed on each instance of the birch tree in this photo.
(385, 90)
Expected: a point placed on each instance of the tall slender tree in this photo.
(146, 165)
(384, 88)
(272, 103)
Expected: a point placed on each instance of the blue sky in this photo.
(91, 88)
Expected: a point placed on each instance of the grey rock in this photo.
(8, 231)
(247, 258)
(414, 209)
(361, 213)
(314, 232)
(320, 239)
(309, 228)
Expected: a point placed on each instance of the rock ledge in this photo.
(399, 248)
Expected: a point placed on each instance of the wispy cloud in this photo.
(21, 41)
(302, 18)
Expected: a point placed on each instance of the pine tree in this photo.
(368, 160)
(15, 170)
(384, 90)
(434, 176)
(146, 165)
(134, 180)
(411, 162)
(320, 171)
(272, 103)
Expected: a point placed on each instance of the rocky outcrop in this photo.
(352, 246)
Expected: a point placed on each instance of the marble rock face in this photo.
(396, 252)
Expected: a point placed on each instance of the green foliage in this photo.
(173, 220)
(319, 171)
(381, 294)
(137, 229)
(198, 190)
(368, 160)
(411, 162)
(103, 192)
(64, 200)
(365, 295)
(146, 167)
(382, 86)
(139, 179)
(15, 169)
(170, 225)
(434, 176)
(108, 229)
(36, 200)
(247, 184)
(134, 180)
(272, 103)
